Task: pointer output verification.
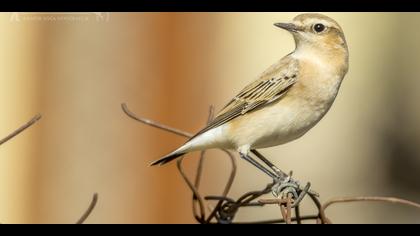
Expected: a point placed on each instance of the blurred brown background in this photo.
(76, 69)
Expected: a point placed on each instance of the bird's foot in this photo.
(284, 186)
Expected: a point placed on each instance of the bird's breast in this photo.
(289, 118)
(302, 107)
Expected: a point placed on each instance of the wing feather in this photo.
(270, 87)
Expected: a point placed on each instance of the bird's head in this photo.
(316, 31)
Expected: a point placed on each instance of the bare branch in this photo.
(370, 199)
(89, 209)
(277, 221)
(297, 214)
(154, 123)
(21, 129)
(196, 194)
(366, 199)
(26, 126)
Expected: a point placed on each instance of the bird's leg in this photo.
(279, 172)
(284, 184)
(258, 165)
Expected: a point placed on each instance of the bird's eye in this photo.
(318, 28)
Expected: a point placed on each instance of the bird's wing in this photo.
(270, 87)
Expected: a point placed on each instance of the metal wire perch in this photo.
(224, 209)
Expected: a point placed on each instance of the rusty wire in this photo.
(226, 208)
(28, 124)
(89, 210)
(21, 129)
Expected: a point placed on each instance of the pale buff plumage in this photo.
(287, 100)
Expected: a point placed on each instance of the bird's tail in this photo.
(168, 158)
(193, 144)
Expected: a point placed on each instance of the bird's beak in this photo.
(288, 26)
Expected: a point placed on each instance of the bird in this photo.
(286, 100)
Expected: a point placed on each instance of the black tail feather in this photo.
(167, 159)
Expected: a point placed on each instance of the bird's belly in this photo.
(278, 123)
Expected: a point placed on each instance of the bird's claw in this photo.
(282, 188)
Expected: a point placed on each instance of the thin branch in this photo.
(21, 129)
(289, 209)
(293, 219)
(199, 216)
(322, 219)
(228, 186)
(365, 199)
(154, 123)
(26, 126)
(276, 201)
(192, 188)
(286, 211)
(202, 215)
(297, 214)
(89, 209)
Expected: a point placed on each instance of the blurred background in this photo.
(76, 70)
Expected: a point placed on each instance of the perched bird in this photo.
(286, 100)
